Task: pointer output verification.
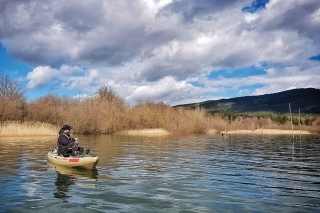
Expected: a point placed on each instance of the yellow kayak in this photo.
(87, 161)
(89, 174)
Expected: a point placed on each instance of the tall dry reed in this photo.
(106, 113)
(13, 128)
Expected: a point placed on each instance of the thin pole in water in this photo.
(292, 131)
(300, 124)
(300, 135)
(291, 121)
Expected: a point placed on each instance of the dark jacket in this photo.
(64, 139)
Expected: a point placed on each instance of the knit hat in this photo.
(66, 127)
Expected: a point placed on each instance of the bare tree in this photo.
(106, 93)
(12, 100)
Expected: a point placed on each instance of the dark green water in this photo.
(165, 174)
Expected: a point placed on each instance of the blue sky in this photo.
(161, 50)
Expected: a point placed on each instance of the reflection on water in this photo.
(196, 173)
(69, 177)
(74, 172)
(62, 182)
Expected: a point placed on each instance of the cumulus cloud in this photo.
(164, 50)
(290, 78)
(41, 75)
(302, 16)
(166, 89)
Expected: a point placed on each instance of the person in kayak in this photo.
(66, 143)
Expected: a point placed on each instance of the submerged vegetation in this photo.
(105, 112)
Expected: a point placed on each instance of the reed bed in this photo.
(13, 128)
(268, 132)
(146, 132)
(107, 113)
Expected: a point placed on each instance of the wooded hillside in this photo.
(308, 100)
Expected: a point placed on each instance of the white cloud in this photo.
(40, 76)
(166, 89)
(156, 48)
(290, 78)
(81, 82)
(250, 17)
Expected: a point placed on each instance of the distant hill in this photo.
(308, 100)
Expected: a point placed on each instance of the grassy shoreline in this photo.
(155, 131)
(105, 112)
(268, 132)
(29, 129)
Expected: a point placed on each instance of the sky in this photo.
(171, 51)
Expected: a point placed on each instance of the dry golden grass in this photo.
(10, 129)
(146, 132)
(268, 132)
(106, 113)
(213, 131)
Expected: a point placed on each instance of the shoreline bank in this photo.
(267, 132)
(216, 132)
(48, 131)
(146, 132)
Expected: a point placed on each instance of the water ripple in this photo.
(168, 174)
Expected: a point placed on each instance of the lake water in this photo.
(198, 173)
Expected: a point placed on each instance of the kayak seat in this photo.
(67, 154)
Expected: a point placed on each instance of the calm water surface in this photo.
(165, 174)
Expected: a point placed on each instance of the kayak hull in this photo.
(81, 161)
